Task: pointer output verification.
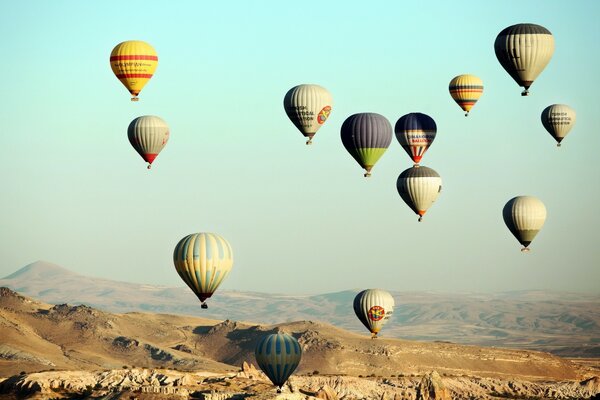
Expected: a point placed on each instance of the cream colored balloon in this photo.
(524, 216)
(524, 50)
(308, 107)
(558, 119)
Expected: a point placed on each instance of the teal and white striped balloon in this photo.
(203, 260)
(278, 355)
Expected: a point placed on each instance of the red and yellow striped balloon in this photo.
(466, 90)
(133, 62)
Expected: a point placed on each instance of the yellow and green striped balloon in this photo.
(203, 260)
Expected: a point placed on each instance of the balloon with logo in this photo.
(373, 307)
(203, 261)
(558, 119)
(415, 133)
(133, 62)
(524, 50)
(278, 356)
(148, 135)
(524, 217)
(308, 107)
(466, 90)
(419, 187)
(366, 136)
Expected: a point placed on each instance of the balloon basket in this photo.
(525, 250)
(149, 166)
(525, 93)
(420, 218)
(557, 144)
(135, 99)
(204, 306)
(367, 174)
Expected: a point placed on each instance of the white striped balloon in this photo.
(524, 216)
(203, 261)
(148, 135)
(419, 187)
(558, 119)
(308, 106)
(373, 307)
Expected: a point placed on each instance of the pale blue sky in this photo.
(300, 220)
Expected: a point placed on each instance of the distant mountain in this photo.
(567, 324)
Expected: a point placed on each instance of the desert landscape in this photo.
(76, 351)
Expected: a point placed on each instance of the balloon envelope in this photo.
(373, 307)
(148, 135)
(278, 355)
(419, 187)
(203, 261)
(558, 119)
(466, 90)
(133, 62)
(366, 136)
(524, 216)
(308, 107)
(524, 50)
(415, 133)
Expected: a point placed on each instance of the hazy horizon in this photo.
(300, 219)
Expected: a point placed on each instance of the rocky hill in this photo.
(68, 350)
(567, 324)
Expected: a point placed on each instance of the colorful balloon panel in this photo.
(524, 50)
(558, 119)
(524, 216)
(415, 133)
(366, 136)
(203, 261)
(278, 356)
(419, 187)
(373, 307)
(133, 62)
(308, 107)
(466, 90)
(148, 135)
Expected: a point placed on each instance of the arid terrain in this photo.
(565, 324)
(54, 351)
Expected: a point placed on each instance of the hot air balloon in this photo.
(278, 355)
(466, 90)
(203, 260)
(366, 136)
(133, 62)
(524, 216)
(558, 119)
(308, 106)
(373, 307)
(524, 50)
(415, 132)
(148, 135)
(419, 187)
